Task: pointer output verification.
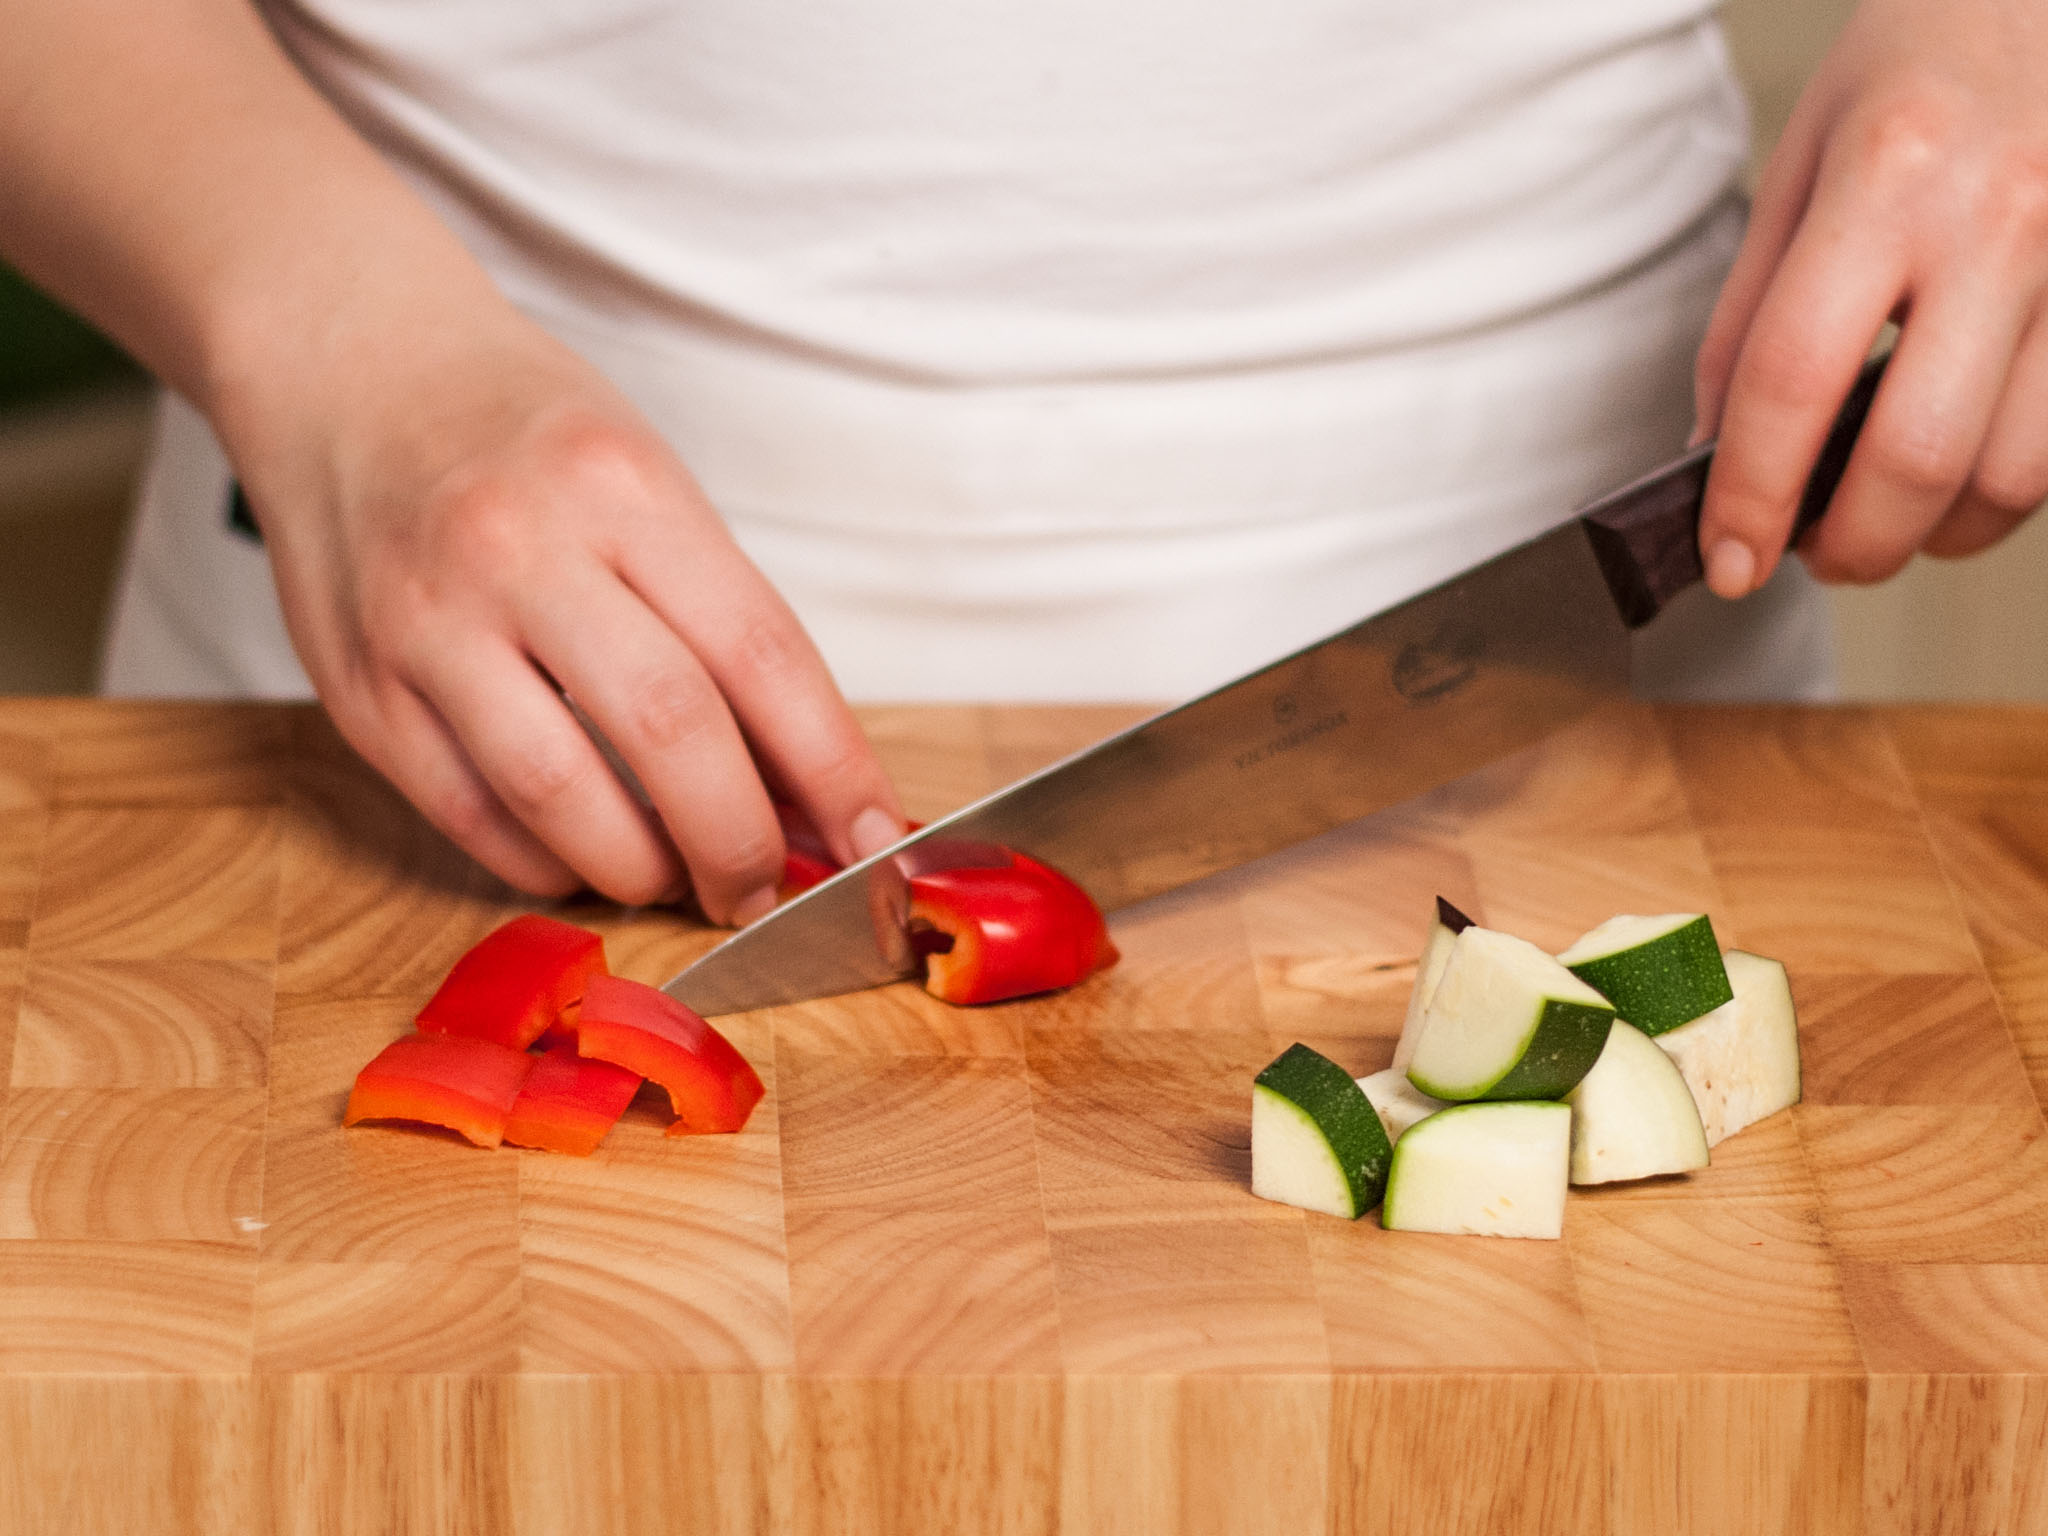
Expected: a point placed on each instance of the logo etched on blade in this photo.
(1429, 670)
(1287, 741)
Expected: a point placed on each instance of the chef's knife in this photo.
(1432, 688)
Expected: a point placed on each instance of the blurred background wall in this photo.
(74, 420)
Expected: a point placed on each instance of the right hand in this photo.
(472, 512)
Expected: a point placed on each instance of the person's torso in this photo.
(961, 190)
(1084, 348)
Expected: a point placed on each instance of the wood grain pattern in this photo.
(998, 1269)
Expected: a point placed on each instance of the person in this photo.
(1063, 350)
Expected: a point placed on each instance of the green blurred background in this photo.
(74, 419)
(45, 351)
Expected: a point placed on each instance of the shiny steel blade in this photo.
(1415, 696)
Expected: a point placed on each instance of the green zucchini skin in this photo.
(1566, 1043)
(1666, 982)
(1331, 1097)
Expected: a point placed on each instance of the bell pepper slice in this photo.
(457, 1081)
(568, 1103)
(990, 934)
(646, 1031)
(514, 982)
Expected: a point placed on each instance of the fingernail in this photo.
(873, 830)
(760, 904)
(1731, 568)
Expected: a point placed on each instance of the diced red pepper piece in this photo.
(515, 981)
(992, 934)
(458, 1081)
(649, 1032)
(568, 1103)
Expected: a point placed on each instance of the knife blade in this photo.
(1419, 694)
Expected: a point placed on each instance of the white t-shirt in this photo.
(1078, 349)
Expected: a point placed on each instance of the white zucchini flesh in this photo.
(1742, 1060)
(1317, 1142)
(1429, 970)
(1491, 1170)
(1399, 1102)
(1633, 1116)
(1292, 1161)
(1627, 932)
(1507, 1021)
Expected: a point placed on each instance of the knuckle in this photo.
(669, 710)
(541, 774)
(768, 647)
(845, 763)
(744, 862)
(1928, 458)
(485, 536)
(2013, 209)
(638, 888)
(595, 455)
(1855, 568)
(2009, 485)
(397, 613)
(1906, 136)
(1785, 367)
(463, 814)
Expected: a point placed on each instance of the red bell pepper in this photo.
(562, 1032)
(647, 1031)
(458, 1081)
(515, 982)
(806, 860)
(992, 934)
(567, 1103)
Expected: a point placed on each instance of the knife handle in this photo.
(1647, 536)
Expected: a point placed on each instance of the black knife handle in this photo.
(1647, 536)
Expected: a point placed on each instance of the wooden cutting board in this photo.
(998, 1270)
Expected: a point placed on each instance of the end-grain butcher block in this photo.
(1000, 1269)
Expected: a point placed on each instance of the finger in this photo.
(1971, 526)
(1781, 199)
(545, 769)
(1925, 432)
(1812, 331)
(661, 710)
(2011, 478)
(406, 741)
(781, 693)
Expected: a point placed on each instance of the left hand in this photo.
(1911, 184)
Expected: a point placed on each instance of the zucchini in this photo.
(1399, 1102)
(1507, 1021)
(1742, 1060)
(1494, 1170)
(1317, 1142)
(1633, 1116)
(1659, 972)
(1448, 923)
